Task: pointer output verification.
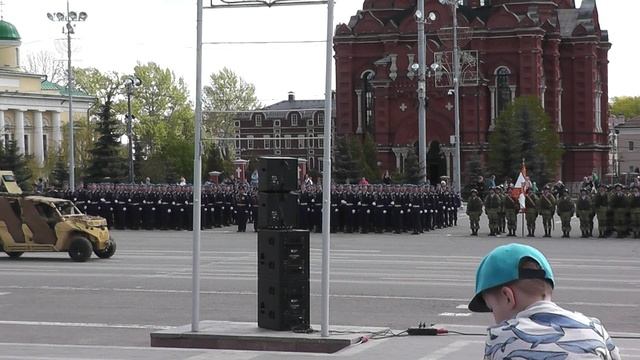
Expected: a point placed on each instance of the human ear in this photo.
(509, 296)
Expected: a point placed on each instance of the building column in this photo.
(19, 131)
(560, 110)
(38, 141)
(398, 156)
(57, 130)
(359, 95)
(492, 125)
(2, 126)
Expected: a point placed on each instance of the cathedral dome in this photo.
(8, 31)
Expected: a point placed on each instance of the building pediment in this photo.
(342, 29)
(503, 18)
(368, 24)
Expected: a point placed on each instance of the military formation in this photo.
(616, 209)
(354, 208)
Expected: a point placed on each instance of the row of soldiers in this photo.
(616, 208)
(164, 207)
(381, 208)
(354, 208)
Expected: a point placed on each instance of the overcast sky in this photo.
(120, 33)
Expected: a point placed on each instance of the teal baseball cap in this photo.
(502, 266)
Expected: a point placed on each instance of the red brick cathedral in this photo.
(509, 48)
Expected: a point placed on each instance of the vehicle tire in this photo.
(14, 254)
(107, 252)
(80, 249)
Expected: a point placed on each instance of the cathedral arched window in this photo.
(504, 96)
(367, 103)
(597, 108)
(502, 92)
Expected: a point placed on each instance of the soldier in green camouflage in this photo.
(547, 209)
(511, 209)
(501, 210)
(601, 207)
(619, 205)
(584, 209)
(492, 205)
(531, 205)
(566, 209)
(634, 208)
(474, 210)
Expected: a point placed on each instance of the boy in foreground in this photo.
(515, 283)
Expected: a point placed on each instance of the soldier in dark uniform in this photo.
(255, 207)
(634, 210)
(317, 212)
(303, 208)
(416, 211)
(242, 203)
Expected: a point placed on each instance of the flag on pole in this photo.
(520, 187)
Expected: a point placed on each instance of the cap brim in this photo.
(477, 304)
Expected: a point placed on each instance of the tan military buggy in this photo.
(45, 224)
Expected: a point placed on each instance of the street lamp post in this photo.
(130, 83)
(422, 90)
(69, 18)
(456, 92)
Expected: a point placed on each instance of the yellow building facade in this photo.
(32, 109)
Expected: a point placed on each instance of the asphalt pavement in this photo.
(52, 308)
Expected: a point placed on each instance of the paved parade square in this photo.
(108, 308)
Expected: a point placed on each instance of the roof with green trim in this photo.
(8, 31)
(48, 85)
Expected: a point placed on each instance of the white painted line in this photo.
(4, 293)
(452, 348)
(450, 314)
(463, 306)
(93, 325)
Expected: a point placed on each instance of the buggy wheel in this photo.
(14, 254)
(80, 249)
(108, 251)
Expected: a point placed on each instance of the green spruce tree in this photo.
(412, 174)
(107, 160)
(60, 172)
(11, 159)
(369, 160)
(345, 165)
(523, 131)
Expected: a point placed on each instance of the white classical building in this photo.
(32, 109)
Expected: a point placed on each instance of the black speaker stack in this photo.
(283, 252)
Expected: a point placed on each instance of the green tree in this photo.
(369, 159)
(214, 160)
(162, 107)
(345, 162)
(412, 173)
(523, 131)
(107, 160)
(627, 106)
(139, 157)
(60, 173)
(11, 159)
(436, 162)
(106, 88)
(226, 94)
